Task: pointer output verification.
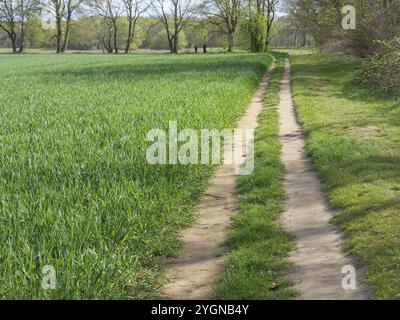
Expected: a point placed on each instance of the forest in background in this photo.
(254, 25)
(126, 25)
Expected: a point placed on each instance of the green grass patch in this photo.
(353, 139)
(258, 245)
(76, 191)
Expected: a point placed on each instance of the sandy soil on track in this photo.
(318, 259)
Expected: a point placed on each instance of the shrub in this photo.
(381, 72)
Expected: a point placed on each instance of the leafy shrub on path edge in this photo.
(382, 72)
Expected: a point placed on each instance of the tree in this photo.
(110, 11)
(258, 33)
(261, 16)
(270, 7)
(106, 36)
(63, 11)
(174, 15)
(8, 21)
(133, 10)
(57, 9)
(71, 7)
(225, 15)
(14, 15)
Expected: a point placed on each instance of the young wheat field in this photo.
(76, 191)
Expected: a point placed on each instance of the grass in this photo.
(258, 245)
(76, 191)
(353, 139)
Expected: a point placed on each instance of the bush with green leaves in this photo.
(381, 72)
(257, 29)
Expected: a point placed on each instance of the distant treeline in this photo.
(115, 26)
(86, 34)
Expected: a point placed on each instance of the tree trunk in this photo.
(13, 39)
(66, 40)
(109, 45)
(295, 38)
(176, 39)
(171, 44)
(176, 27)
(115, 37)
(21, 45)
(66, 35)
(130, 37)
(59, 34)
(230, 42)
(252, 43)
(304, 39)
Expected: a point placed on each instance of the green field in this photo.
(353, 139)
(76, 191)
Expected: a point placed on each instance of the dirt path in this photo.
(318, 259)
(194, 273)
